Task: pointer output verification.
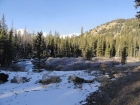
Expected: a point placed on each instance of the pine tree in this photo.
(82, 30)
(3, 24)
(124, 56)
(10, 52)
(88, 54)
(52, 48)
(100, 46)
(5, 46)
(39, 45)
(137, 4)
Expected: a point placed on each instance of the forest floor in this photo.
(125, 90)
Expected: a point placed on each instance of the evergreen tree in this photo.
(89, 54)
(124, 56)
(39, 45)
(10, 52)
(52, 46)
(137, 4)
(82, 30)
(101, 46)
(5, 44)
(3, 24)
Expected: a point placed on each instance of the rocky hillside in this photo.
(115, 27)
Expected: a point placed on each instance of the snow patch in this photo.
(62, 93)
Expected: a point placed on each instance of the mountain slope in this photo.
(115, 27)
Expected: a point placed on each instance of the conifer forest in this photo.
(113, 39)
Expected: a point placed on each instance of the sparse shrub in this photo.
(124, 56)
(89, 54)
(79, 63)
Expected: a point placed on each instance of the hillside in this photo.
(115, 27)
(117, 38)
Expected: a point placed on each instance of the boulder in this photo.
(50, 79)
(18, 80)
(102, 78)
(38, 81)
(3, 77)
(120, 74)
(77, 79)
(1, 82)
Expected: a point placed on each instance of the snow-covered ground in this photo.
(27, 64)
(29, 93)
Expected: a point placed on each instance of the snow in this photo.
(22, 31)
(70, 35)
(27, 64)
(29, 93)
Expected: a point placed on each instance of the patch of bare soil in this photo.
(125, 90)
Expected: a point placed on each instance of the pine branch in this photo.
(138, 15)
(137, 5)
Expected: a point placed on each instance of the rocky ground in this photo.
(120, 84)
(125, 90)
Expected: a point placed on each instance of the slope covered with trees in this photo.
(115, 38)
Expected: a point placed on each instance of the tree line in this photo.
(118, 38)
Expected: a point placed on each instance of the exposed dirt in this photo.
(125, 90)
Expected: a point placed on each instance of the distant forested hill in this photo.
(116, 27)
(111, 38)
(118, 38)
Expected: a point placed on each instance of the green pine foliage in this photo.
(5, 44)
(137, 4)
(118, 38)
(40, 46)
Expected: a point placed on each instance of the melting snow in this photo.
(29, 93)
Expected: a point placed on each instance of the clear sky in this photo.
(64, 16)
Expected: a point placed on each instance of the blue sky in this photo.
(64, 16)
